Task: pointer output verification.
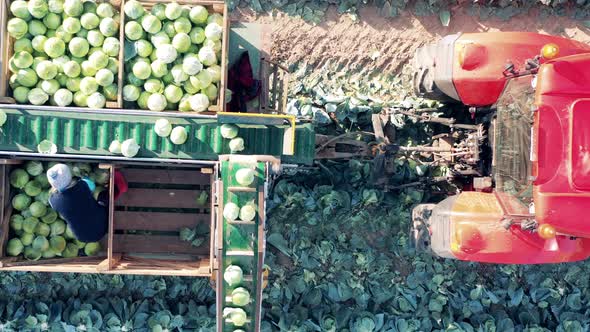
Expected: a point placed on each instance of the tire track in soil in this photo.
(340, 40)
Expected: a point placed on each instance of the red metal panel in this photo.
(480, 59)
(478, 235)
(562, 128)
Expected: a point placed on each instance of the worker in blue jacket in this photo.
(72, 198)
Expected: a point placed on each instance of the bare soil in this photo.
(378, 44)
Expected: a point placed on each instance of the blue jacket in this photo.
(87, 219)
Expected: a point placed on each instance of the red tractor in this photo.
(529, 98)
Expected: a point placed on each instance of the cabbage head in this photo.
(115, 147)
(173, 11)
(237, 316)
(63, 97)
(207, 56)
(245, 176)
(131, 92)
(73, 8)
(54, 47)
(181, 42)
(27, 77)
(57, 243)
(108, 27)
(33, 188)
(42, 229)
(231, 211)
(34, 168)
(14, 247)
(213, 31)
(89, 21)
(22, 59)
(248, 212)
(163, 127)
(233, 275)
(133, 9)
(19, 178)
(21, 94)
(105, 9)
(156, 102)
(57, 228)
(37, 96)
(27, 238)
(166, 53)
(151, 24)
(40, 243)
(228, 131)
(17, 28)
(236, 145)
(50, 217)
(92, 248)
(16, 222)
(38, 209)
(199, 102)
(96, 100)
(197, 35)
(198, 15)
(30, 224)
(173, 94)
(178, 135)
(19, 8)
(70, 251)
(191, 64)
(240, 296)
(129, 148)
(32, 254)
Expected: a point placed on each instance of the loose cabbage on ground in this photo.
(36, 230)
(172, 57)
(65, 53)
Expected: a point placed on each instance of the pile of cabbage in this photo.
(65, 52)
(36, 230)
(176, 54)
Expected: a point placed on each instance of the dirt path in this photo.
(379, 44)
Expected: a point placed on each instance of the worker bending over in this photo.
(72, 198)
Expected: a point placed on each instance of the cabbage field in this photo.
(337, 248)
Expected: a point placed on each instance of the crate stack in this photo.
(240, 245)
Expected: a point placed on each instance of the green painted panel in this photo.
(242, 237)
(91, 134)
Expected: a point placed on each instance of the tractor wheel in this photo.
(424, 86)
(420, 231)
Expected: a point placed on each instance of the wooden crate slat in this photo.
(160, 198)
(129, 243)
(132, 265)
(198, 268)
(157, 221)
(159, 176)
(5, 207)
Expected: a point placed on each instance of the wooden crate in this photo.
(160, 201)
(19, 263)
(213, 6)
(7, 47)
